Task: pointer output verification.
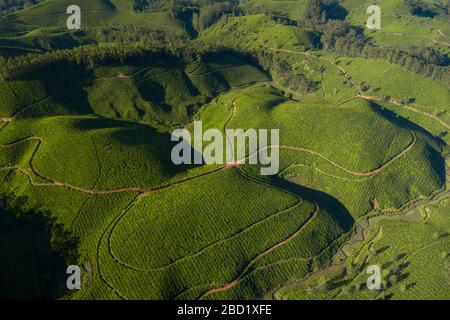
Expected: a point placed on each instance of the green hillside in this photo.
(87, 121)
(411, 247)
(43, 28)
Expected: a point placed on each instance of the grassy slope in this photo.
(158, 91)
(413, 255)
(292, 8)
(65, 166)
(361, 139)
(43, 27)
(186, 266)
(398, 26)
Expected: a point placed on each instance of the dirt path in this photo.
(441, 33)
(306, 54)
(245, 268)
(319, 155)
(334, 164)
(215, 71)
(236, 280)
(397, 103)
(361, 94)
(357, 174)
(420, 36)
(56, 183)
(141, 192)
(408, 213)
(216, 243)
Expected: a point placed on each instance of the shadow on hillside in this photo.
(64, 83)
(151, 90)
(336, 12)
(434, 156)
(325, 201)
(158, 145)
(170, 282)
(35, 252)
(403, 122)
(67, 88)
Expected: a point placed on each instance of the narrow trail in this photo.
(14, 115)
(246, 266)
(211, 245)
(354, 173)
(407, 107)
(319, 155)
(360, 93)
(236, 280)
(441, 33)
(97, 180)
(99, 246)
(214, 71)
(142, 192)
(122, 76)
(305, 54)
(420, 36)
(231, 165)
(56, 183)
(361, 233)
(408, 213)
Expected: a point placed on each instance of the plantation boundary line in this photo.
(235, 281)
(358, 174)
(200, 64)
(287, 260)
(322, 172)
(360, 94)
(317, 154)
(56, 183)
(123, 76)
(303, 53)
(143, 191)
(99, 244)
(246, 266)
(216, 70)
(121, 190)
(95, 185)
(417, 36)
(441, 33)
(407, 107)
(11, 117)
(362, 232)
(218, 242)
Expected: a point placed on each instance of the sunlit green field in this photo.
(363, 146)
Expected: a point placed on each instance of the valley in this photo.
(87, 137)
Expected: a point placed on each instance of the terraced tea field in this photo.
(87, 140)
